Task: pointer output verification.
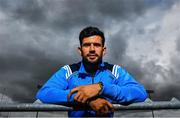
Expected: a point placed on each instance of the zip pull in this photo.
(92, 75)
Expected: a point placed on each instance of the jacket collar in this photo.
(83, 71)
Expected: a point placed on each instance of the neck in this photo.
(90, 67)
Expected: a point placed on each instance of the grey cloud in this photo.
(30, 11)
(117, 45)
(124, 9)
(22, 74)
(68, 14)
(26, 62)
(166, 86)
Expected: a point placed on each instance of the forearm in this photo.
(122, 94)
(52, 95)
(55, 90)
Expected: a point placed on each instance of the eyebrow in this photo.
(94, 43)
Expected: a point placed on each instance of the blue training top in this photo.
(118, 86)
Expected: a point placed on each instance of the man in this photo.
(92, 82)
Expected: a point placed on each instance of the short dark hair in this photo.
(91, 31)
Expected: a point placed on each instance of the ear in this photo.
(104, 50)
(79, 50)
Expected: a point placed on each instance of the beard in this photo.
(96, 62)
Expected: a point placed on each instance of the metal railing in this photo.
(147, 105)
(39, 107)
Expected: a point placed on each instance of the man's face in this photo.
(92, 49)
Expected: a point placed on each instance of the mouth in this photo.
(92, 56)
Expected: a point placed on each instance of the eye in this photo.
(86, 44)
(97, 44)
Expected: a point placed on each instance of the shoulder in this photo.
(70, 69)
(75, 67)
(113, 68)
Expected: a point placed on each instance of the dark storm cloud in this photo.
(122, 9)
(172, 87)
(22, 73)
(70, 13)
(117, 46)
(29, 10)
(35, 39)
(25, 61)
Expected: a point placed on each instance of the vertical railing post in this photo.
(37, 113)
(149, 93)
(38, 87)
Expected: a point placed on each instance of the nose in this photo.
(92, 47)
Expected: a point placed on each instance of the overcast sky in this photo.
(37, 37)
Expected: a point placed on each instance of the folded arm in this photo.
(125, 89)
(55, 89)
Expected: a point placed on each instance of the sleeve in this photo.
(55, 89)
(124, 89)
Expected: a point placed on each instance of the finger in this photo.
(72, 91)
(101, 111)
(84, 100)
(110, 106)
(93, 107)
(77, 96)
(106, 109)
(80, 97)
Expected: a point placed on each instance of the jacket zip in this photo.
(92, 79)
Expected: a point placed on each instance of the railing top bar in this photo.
(147, 105)
(33, 107)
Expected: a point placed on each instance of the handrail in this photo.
(147, 105)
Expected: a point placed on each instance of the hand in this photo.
(102, 106)
(85, 92)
